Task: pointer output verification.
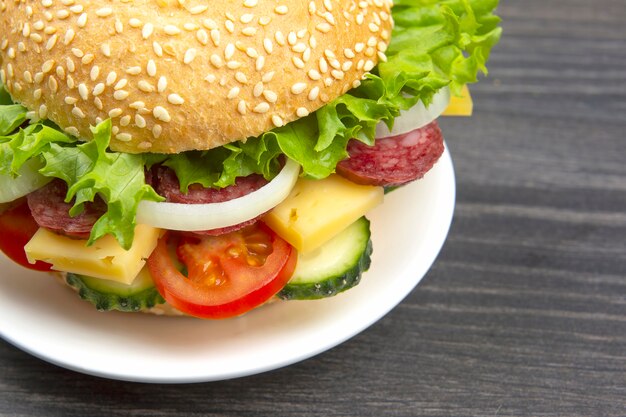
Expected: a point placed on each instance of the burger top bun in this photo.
(177, 75)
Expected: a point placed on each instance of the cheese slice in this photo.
(460, 106)
(317, 210)
(104, 259)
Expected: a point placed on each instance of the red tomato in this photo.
(17, 227)
(227, 275)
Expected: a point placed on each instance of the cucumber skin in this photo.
(330, 286)
(106, 301)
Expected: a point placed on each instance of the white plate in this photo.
(48, 321)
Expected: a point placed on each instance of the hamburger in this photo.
(200, 158)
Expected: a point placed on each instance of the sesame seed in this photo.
(241, 107)
(260, 62)
(120, 95)
(299, 47)
(78, 53)
(234, 92)
(369, 65)
(338, 75)
(267, 77)
(190, 55)
(277, 121)
(250, 3)
(258, 89)
(125, 121)
(209, 24)
(249, 31)
(47, 66)
(124, 137)
(156, 131)
(82, 20)
(94, 73)
(302, 112)
(88, 59)
(270, 96)
(329, 18)
(72, 131)
(37, 94)
(104, 12)
(359, 19)
(171, 30)
(328, 82)
(356, 83)
(323, 27)
(43, 111)
(202, 36)
(147, 30)
(215, 37)
(35, 37)
(175, 99)
(76, 9)
(328, 5)
(70, 100)
(298, 88)
(229, 51)
(69, 36)
(246, 18)
(46, 3)
(312, 8)
(314, 93)
(198, 9)
(63, 14)
(267, 45)
(312, 42)
(265, 20)
(134, 22)
(373, 27)
(261, 108)
(281, 9)
(323, 65)
(117, 112)
(161, 114)
(76, 111)
(115, 130)
(292, 38)
(241, 77)
(314, 75)
(111, 78)
(98, 103)
(216, 61)
(51, 42)
(39, 77)
(210, 78)
(297, 62)
(158, 49)
(251, 52)
(133, 70)
(280, 38)
(230, 26)
(83, 91)
(382, 56)
(137, 105)
(98, 89)
(106, 50)
(306, 55)
(233, 64)
(52, 84)
(151, 68)
(359, 47)
(145, 86)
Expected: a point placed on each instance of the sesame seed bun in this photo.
(177, 75)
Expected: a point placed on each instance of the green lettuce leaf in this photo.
(435, 43)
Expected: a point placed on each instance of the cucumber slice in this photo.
(333, 268)
(110, 295)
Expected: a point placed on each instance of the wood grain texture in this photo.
(523, 314)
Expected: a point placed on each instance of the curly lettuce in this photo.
(435, 43)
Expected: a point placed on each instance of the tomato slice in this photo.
(17, 227)
(227, 275)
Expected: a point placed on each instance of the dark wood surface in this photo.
(523, 314)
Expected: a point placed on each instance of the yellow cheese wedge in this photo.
(317, 210)
(460, 106)
(104, 259)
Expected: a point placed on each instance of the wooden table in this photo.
(523, 314)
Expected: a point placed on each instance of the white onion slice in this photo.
(417, 116)
(190, 217)
(28, 181)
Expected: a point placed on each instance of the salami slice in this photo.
(393, 161)
(165, 183)
(49, 210)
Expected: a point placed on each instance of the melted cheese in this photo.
(104, 259)
(317, 210)
(460, 106)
